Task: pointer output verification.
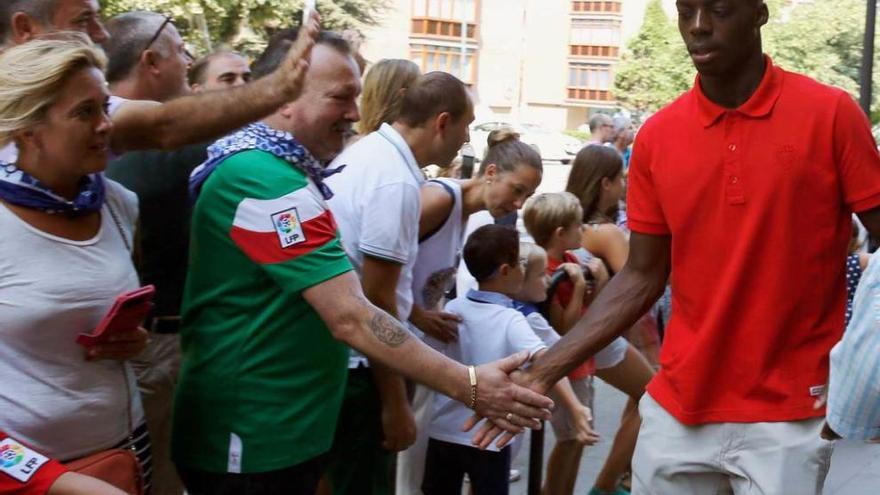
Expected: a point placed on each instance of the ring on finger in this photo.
(509, 417)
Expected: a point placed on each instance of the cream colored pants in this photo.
(411, 462)
(785, 458)
(157, 369)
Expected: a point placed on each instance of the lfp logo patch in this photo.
(11, 454)
(288, 227)
(18, 461)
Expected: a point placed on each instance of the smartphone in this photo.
(308, 7)
(127, 313)
(467, 161)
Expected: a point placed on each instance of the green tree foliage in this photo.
(822, 39)
(655, 68)
(247, 24)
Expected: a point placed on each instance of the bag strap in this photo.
(119, 226)
(128, 392)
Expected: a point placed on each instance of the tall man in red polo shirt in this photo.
(743, 189)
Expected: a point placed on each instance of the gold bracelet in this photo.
(472, 375)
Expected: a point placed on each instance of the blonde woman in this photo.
(383, 92)
(64, 257)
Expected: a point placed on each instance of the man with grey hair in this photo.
(147, 60)
(601, 129)
(622, 138)
(153, 125)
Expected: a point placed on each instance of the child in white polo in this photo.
(490, 329)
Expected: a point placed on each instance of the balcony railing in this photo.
(446, 28)
(594, 51)
(582, 94)
(600, 6)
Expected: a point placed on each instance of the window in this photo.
(446, 59)
(595, 33)
(595, 39)
(589, 82)
(443, 18)
(448, 10)
(606, 6)
(432, 27)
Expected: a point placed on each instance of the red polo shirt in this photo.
(758, 201)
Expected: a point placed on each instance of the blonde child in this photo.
(567, 421)
(554, 220)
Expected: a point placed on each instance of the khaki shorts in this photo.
(562, 421)
(783, 458)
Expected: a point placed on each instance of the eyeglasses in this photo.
(168, 20)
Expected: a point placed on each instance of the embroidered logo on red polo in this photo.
(18, 461)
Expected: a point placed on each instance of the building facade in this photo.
(549, 62)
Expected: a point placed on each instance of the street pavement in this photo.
(855, 467)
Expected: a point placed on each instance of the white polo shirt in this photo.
(376, 204)
(490, 329)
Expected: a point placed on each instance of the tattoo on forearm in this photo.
(388, 330)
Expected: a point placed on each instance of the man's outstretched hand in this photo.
(510, 407)
(499, 426)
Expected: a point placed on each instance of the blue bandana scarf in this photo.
(22, 189)
(259, 136)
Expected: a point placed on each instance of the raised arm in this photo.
(205, 116)
(353, 320)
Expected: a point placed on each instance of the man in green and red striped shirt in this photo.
(271, 294)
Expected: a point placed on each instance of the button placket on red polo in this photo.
(732, 151)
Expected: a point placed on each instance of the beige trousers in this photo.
(411, 462)
(157, 369)
(784, 458)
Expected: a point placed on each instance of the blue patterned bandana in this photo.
(22, 189)
(259, 136)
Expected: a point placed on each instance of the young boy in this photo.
(490, 329)
(554, 220)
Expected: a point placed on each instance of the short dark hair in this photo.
(280, 44)
(196, 74)
(489, 247)
(41, 10)
(129, 34)
(432, 94)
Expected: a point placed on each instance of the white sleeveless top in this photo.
(434, 271)
(52, 289)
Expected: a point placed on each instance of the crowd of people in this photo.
(327, 320)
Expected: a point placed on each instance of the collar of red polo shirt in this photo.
(759, 105)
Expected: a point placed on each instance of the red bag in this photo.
(118, 467)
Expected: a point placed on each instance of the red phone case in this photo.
(127, 313)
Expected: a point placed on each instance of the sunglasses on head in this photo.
(168, 20)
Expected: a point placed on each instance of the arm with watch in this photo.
(487, 389)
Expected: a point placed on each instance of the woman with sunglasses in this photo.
(64, 258)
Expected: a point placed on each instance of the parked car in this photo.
(553, 146)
